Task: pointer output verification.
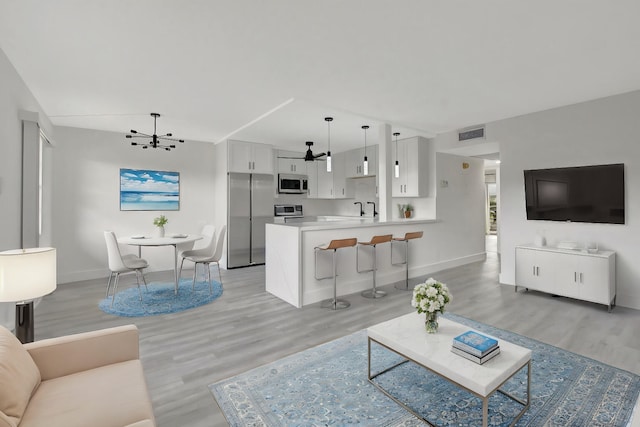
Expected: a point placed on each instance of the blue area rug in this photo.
(160, 299)
(327, 386)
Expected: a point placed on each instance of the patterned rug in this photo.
(327, 386)
(160, 298)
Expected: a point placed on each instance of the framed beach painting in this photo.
(149, 190)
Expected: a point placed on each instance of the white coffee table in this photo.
(407, 337)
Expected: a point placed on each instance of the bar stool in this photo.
(406, 238)
(334, 245)
(375, 240)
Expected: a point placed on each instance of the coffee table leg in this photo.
(485, 412)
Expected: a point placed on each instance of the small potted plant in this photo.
(408, 209)
(160, 222)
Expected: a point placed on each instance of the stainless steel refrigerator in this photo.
(250, 208)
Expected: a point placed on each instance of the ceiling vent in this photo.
(476, 132)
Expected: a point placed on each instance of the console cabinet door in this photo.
(567, 275)
(534, 270)
(594, 279)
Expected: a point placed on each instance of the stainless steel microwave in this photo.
(292, 184)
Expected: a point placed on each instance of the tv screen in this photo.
(577, 194)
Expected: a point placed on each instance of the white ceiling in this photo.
(216, 69)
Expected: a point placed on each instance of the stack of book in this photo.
(475, 346)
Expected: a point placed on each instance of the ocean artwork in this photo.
(149, 190)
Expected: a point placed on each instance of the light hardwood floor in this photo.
(246, 327)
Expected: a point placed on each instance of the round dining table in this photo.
(172, 240)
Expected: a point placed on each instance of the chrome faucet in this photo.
(374, 208)
(361, 209)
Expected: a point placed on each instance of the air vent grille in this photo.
(467, 134)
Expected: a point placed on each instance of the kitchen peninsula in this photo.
(290, 270)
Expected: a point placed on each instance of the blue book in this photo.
(475, 343)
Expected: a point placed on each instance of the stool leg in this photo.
(373, 292)
(335, 303)
(405, 286)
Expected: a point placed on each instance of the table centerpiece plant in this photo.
(431, 298)
(160, 222)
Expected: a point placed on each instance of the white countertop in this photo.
(333, 223)
(576, 251)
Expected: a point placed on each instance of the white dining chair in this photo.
(213, 256)
(206, 246)
(122, 264)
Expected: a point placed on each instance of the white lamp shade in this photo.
(26, 274)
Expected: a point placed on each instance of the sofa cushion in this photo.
(19, 376)
(109, 396)
(6, 421)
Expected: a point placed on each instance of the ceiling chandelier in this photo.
(156, 141)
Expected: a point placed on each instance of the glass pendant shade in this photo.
(328, 120)
(397, 167)
(365, 164)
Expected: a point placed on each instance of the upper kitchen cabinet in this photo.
(413, 158)
(334, 184)
(355, 162)
(291, 162)
(250, 157)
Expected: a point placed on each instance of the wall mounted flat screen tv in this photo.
(577, 194)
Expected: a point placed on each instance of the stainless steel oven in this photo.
(292, 184)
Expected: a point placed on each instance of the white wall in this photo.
(86, 197)
(15, 97)
(596, 132)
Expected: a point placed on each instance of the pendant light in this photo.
(365, 165)
(329, 120)
(397, 168)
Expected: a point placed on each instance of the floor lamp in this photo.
(26, 274)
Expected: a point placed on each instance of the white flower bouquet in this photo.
(430, 297)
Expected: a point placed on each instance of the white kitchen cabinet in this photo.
(330, 185)
(354, 167)
(342, 187)
(312, 180)
(413, 159)
(570, 273)
(250, 157)
(292, 163)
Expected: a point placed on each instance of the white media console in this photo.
(566, 272)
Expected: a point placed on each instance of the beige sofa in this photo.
(89, 379)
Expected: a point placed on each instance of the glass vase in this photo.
(431, 322)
